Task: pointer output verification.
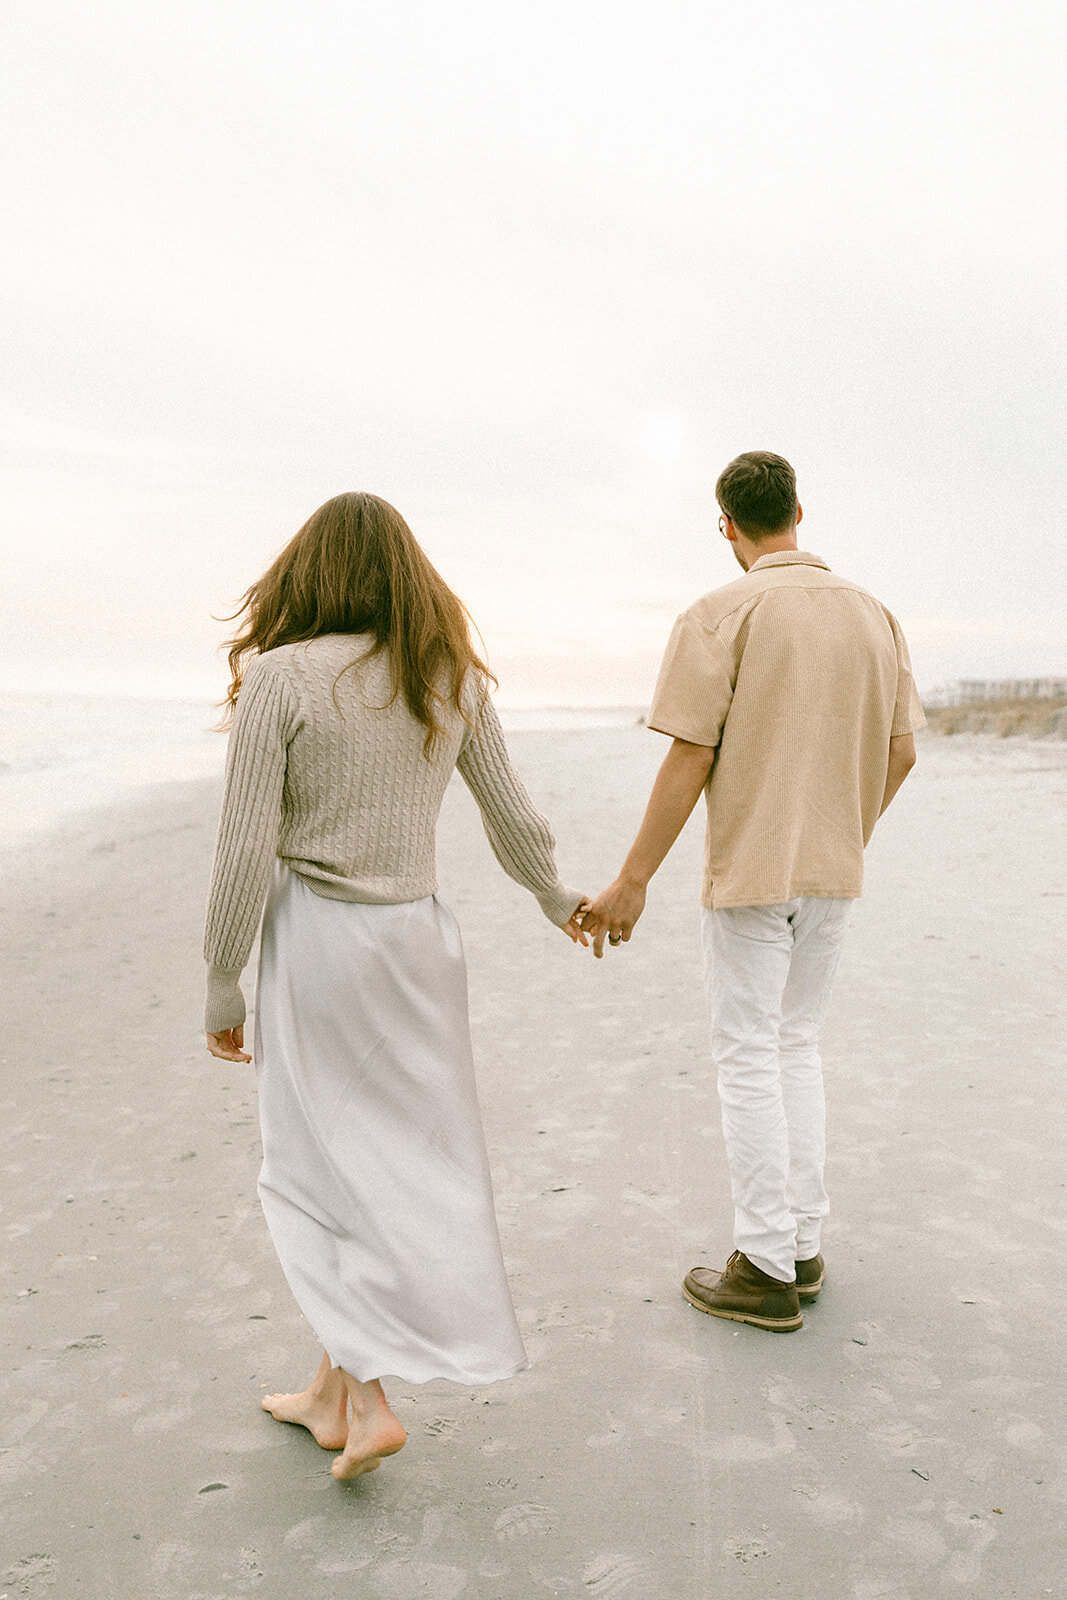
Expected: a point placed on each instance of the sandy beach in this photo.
(906, 1443)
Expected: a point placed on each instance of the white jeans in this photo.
(768, 974)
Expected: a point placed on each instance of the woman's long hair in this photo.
(356, 567)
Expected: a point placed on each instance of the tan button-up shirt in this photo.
(800, 679)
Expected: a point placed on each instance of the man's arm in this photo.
(901, 761)
(675, 792)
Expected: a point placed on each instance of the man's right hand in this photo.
(678, 786)
(614, 912)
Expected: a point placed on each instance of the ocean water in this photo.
(62, 754)
(567, 719)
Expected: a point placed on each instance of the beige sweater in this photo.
(322, 773)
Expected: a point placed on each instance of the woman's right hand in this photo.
(229, 1045)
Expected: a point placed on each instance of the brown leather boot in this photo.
(810, 1275)
(744, 1294)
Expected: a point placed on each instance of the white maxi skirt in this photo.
(375, 1182)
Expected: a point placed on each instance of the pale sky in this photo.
(533, 275)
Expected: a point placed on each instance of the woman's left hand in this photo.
(573, 928)
(228, 1046)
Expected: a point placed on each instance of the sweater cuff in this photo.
(559, 904)
(225, 1007)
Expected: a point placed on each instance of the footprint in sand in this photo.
(529, 1517)
(249, 1563)
(745, 1550)
(31, 1577)
(441, 1427)
(611, 1575)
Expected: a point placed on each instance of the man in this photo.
(790, 701)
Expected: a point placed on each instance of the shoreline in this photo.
(33, 807)
(122, 753)
(65, 755)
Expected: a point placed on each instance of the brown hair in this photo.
(356, 567)
(758, 491)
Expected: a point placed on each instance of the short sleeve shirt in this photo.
(799, 679)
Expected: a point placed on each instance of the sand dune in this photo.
(1005, 719)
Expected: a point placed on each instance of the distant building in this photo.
(980, 691)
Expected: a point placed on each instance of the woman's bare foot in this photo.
(322, 1408)
(374, 1431)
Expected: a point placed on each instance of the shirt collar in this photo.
(788, 558)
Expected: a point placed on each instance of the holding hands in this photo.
(613, 913)
(678, 786)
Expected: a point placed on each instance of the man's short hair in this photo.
(758, 492)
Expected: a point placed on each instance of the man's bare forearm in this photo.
(678, 786)
(674, 794)
(901, 761)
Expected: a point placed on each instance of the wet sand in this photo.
(907, 1443)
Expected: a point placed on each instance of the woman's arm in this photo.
(247, 844)
(519, 835)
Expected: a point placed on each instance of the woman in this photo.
(356, 691)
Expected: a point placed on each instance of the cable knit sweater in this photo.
(322, 772)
